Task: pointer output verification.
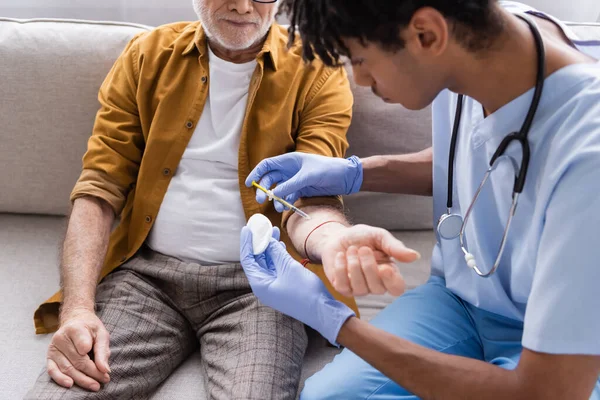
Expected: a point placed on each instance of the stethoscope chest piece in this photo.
(449, 226)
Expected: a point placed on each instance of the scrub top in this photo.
(549, 275)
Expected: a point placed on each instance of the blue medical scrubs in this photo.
(545, 293)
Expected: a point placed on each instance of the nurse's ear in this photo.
(427, 35)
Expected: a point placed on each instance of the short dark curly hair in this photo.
(323, 24)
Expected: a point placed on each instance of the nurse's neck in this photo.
(496, 76)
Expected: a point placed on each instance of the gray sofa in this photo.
(50, 72)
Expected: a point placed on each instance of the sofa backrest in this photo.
(50, 73)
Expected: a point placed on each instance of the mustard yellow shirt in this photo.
(153, 98)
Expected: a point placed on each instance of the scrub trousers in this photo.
(431, 316)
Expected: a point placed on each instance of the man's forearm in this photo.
(426, 373)
(431, 374)
(299, 229)
(83, 253)
(406, 173)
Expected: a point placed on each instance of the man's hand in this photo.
(282, 283)
(68, 361)
(360, 260)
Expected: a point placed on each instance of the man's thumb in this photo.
(396, 249)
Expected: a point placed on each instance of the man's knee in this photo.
(46, 389)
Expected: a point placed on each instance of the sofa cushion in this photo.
(51, 73)
(29, 274)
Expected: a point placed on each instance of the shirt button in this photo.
(203, 79)
(189, 124)
(148, 219)
(166, 172)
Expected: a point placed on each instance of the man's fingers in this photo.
(341, 281)
(67, 368)
(80, 337)
(63, 345)
(56, 374)
(392, 279)
(89, 368)
(102, 350)
(371, 270)
(396, 249)
(358, 282)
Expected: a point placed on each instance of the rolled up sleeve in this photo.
(323, 126)
(114, 153)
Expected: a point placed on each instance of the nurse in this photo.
(509, 313)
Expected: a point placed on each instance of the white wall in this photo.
(157, 12)
(150, 12)
(569, 10)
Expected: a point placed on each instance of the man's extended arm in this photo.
(110, 168)
(83, 253)
(433, 375)
(81, 332)
(299, 230)
(405, 174)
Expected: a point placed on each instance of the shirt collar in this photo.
(270, 49)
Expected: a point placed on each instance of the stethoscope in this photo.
(452, 225)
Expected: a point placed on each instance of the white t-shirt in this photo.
(549, 275)
(201, 215)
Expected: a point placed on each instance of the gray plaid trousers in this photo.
(158, 310)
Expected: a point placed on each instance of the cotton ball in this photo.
(262, 231)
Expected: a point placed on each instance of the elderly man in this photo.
(186, 112)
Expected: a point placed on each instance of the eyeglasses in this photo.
(265, 1)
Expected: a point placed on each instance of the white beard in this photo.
(239, 40)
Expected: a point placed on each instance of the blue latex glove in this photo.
(306, 175)
(282, 283)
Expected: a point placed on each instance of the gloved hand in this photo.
(306, 175)
(282, 283)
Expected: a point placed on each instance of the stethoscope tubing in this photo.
(520, 137)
